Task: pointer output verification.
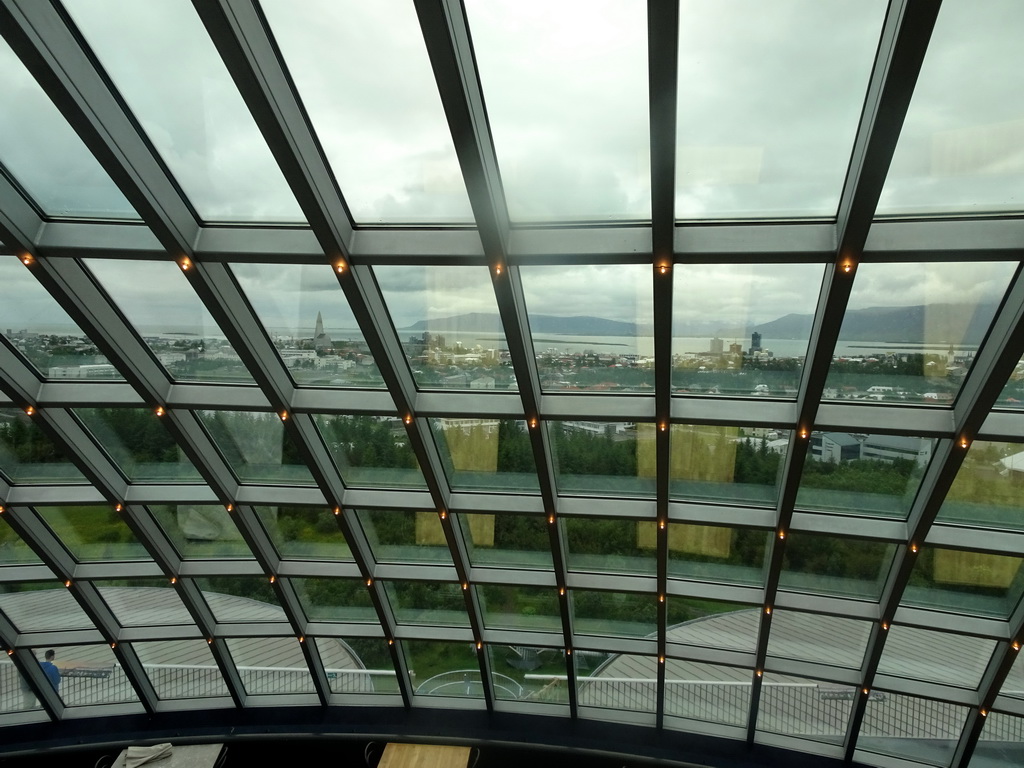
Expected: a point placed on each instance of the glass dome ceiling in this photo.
(657, 368)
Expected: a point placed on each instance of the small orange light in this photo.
(160, 410)
(533, 423)
(497, 269)
(113, 645)
(443, 514)
(2, 509)
(174, 579)
(782, 534)
(568, 651)
(759, 673)
(283, 415)
(273, 579)
(27, 260)
(302, 639)
(663, 269)
(561, 591)
(913, 548)
(1016, 646)
(118, 508)
(885, 626)
(185, 264)
(337, 511)
(983, 713)
(768, 610)
(661, 598)
(663, 426)
(67, 583)
(964, 442)
(369, 582)
(30, 410)
(339, 267)
(661, 524)
(408, 418)
(390, 641)
(803, 434)
(209, 641)
(865, 691)
(661, 659)
(479, 645)
(229, 507)
(551, 519)
(465, 586)
(10, 652)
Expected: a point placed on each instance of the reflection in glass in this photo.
(530, 673)
(384, 133)
(93, 533)
(988, 488)
(89, 674)
(25, 698)
(405, 537)
(613, 613)
(357, 664)
(567, 103)
(335, 599)
(46, 156)
(832, 640)
(911, 331)
(506, 541)
(447, 320)
(999, 745)
(181, 669)
(604, 458)
(959, 147)
(880, 731)
(303, 533)
(41, 606)
(966, 582)
(486, 454)
(257, 447)
(592, 326)
(139, 444)
(717, 553)
(1012, 395)
(721, 463)
(143, 602)
(832, 565)
(270, 665)
(427, 602)
(809, 709)
(13, 549)
(371, 451)
(741, 329)
(159, 302)
(938, 657)
(192, 113)
(707, 692)
(712, 624)
(35, 324)
(859, 474)
(308, 319)
(200, 531)
(438, 668)
(520, 608)
(762, 142)
(626, 681)
(27, 455)
(609, 544)
(241, 599)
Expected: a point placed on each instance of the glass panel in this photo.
(93, 533)
(911, 331)
(506, 541)
(181, 669)
(712, 624)
(144, 602)
(13, 550)
(269, 665)
(567, 104)
(521, 608)
(385, 132)
(192, 113)
(357, 664)
(833, 565)
(486, 454)
(334, 599)
(36, 325)
(723, 463)
(718, 307)
(438, 668)
(966, 582)
(831, 640)
(405, 537)
(41, 606)
(605, 458)
(1001, 744)
(137, 441)
(447, 319)
(707, 692)
(528, 673)
(762, 142)
(201, 531)
(371, 451)
(807, 709)
(988, 487)
(937, 657)
(613, 613)
(11, 680)
(607, 544)
(862, 474)
(257, 447)
(592, 326)
(427, 602)
(159, 302)
(918, 730)
(45, 155)
(1013, 685)
(625, 681)
(309, 320)
(241, 599)
(1013, 393)
(959, 148)
(304, 534)
(27, 455)
(717, 553)
(89, 674)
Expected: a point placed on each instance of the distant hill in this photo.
(480, 322)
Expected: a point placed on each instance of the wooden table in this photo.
(423, 756)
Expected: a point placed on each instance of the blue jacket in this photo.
(52, 673)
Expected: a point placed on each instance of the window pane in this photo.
(41, 606)
(181, 669)
(385, 132)
(405, 537)
(139, 444)
(567, 103)
(93, 533)
(831, 640)
(304, 534)
(835, 566)
(1001, 744)
(309, 320)
(159, 302)
(438, 668)
(269, 665)
(762, 142)
(13, 681)
(427, 602)
(13, 550)
(965, 582)
(27, 455)
(930, 735)
(241, 599)
(741, 329)
(357, 664)
(707, 692)
(808, 709)
(201, 531)
(606, 544)
(721, 463)
(257, 447)
(717, 553)
(711, 624)
(937, 657)
(858, 474)
(144, 602)
(1013, 393)
(371, 451)
(626, 681)
(506, 541)
(486, 454)
(520, 608)
(335, 599)
(192, 113)
(528, 673)
(911, 331)
(604, 458)
(89, 674)
(613, 613)
(987, 489)
(447, 320)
